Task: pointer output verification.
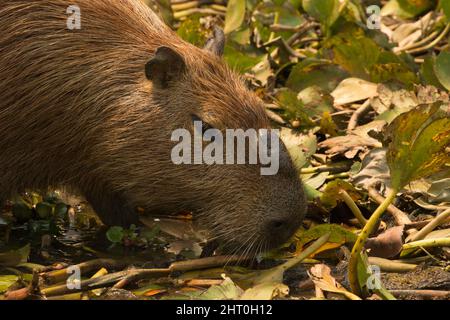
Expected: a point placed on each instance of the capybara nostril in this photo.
(278, 225)
(280, 229)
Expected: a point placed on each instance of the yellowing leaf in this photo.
(235, 15)
(442, 68)
(419, 142)
(326, 11)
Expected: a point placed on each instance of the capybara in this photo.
(92, 107)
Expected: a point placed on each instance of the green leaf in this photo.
(326, 11)
(283, 14)
(293, 108)
(22, 211)
(314, 72)
(44, 210)
(337, 233)
(115, 234)
(418, 144)
(242, 58)
(61, 210)
(330, 196)
(445, 4)
(442, 69)
(428, 74)
(15, 257)
(416, 7)
(6, 281)
(151, 234)
(192, 31)
(235, 15)
(369, 281)
(407, 8)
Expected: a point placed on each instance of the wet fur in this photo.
(76, 110)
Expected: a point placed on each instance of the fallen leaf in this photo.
(352, 90)
(357, 142)
(386, 245)
(320, 274)
(266, 291)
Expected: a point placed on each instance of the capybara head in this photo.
(238, 204)
(95, 109)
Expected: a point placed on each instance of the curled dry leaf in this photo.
(320, 274)
(392, 101)
(228, 290)
(266, 291)
(409, 33)
(352, 90)
(357, 142)
(374, 170)
(386, 245)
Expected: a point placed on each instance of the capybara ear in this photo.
(216, 43)
(166, 65)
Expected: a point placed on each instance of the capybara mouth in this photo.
(254, 245)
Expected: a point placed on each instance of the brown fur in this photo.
(77, 110)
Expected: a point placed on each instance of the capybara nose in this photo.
(277, 225)
(281, 229)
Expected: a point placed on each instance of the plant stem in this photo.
(307, 252)
(433, 43)
(342, 175)
(387, 265)
(440, 219)
(439, 242)
(353, 207)
(361, 241)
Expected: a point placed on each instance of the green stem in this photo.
(361, 241)
(342, 175)
(307, 252)
(353, 207)
(440, 242)
(437, 221)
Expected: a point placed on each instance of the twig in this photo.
(186, 5)
(433, 43)
(281, 42)
(205, 263)
(431, 294)
(437, 221)
(338, 167)
(353, 207)
(205, 11)
(104, 281)
(305, 27)
(342, 175)
(61, 275)
(399, 216)
(423, 223)
(361, 111)
(414, 45)
(31, 290)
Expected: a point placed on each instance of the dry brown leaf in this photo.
(320, 274)
(357, 142)
(388, 244)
